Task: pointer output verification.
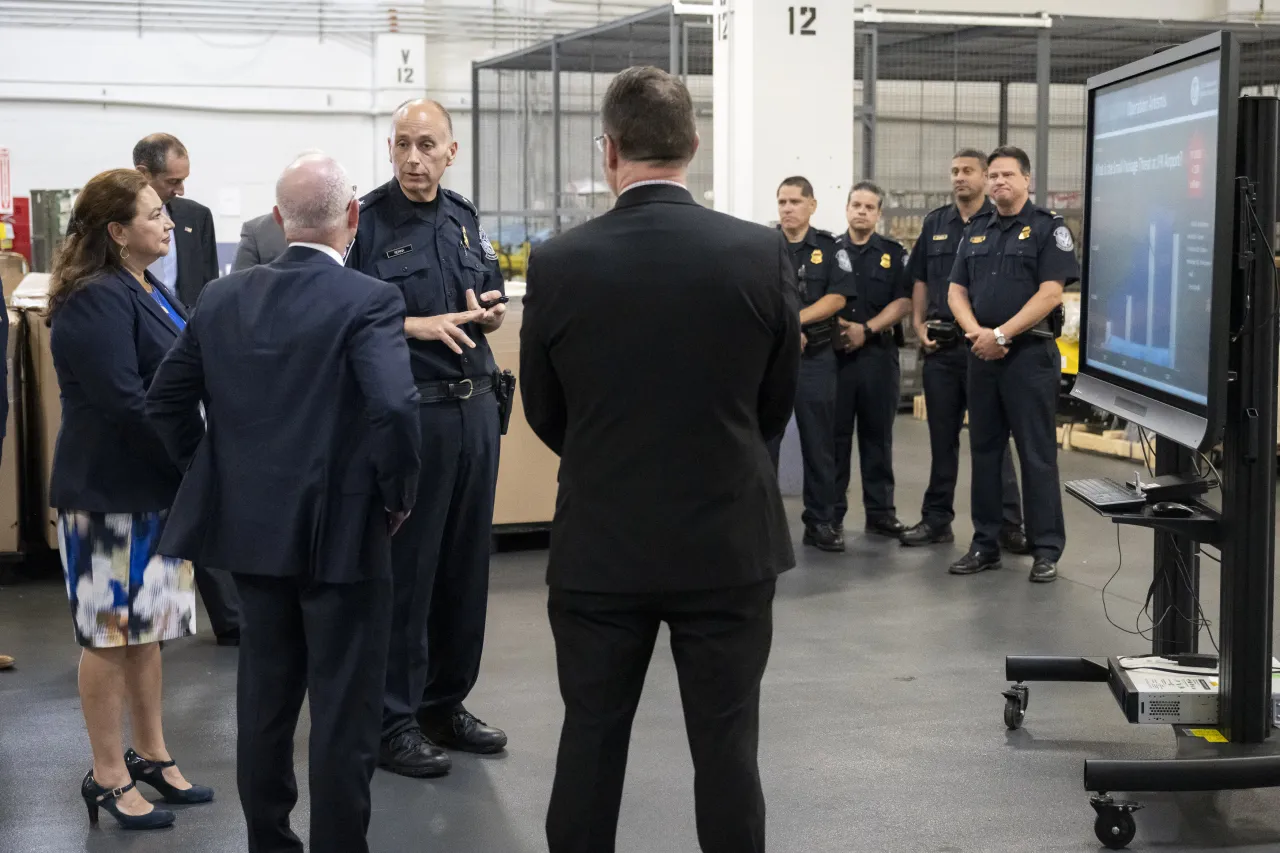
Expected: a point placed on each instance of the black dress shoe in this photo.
(152, 772)
(1044, 570)
(461, 730)
(925, 533)
(823, 537)
(96, 796)
(229, 638)
(411, 754)
(1013, 540)
(974, 562)
(886, 526)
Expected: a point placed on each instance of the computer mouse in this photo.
(1171, 508)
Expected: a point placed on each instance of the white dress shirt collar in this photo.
(320, 247)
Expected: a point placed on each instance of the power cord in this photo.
(1198, 619)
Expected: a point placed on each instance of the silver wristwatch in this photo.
(1000, 338)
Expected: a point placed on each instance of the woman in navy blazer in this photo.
(113, 483)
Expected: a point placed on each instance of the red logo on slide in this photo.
(1195, 166)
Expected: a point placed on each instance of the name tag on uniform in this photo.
(940, 236)
(978, 239)
(403, 250)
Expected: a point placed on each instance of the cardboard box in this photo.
(10, 459)
(528, 471)
(44, 413)
(13, 268)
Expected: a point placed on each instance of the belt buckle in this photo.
(471, 388)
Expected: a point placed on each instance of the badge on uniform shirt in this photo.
(1062, 236)
(1026, 232)
(978, 239)
(489, 253)
(842, 260)
(886, 261)
(941, 236)
(816, 257)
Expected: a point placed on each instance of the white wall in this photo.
(74, 103)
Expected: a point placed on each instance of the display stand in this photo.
(1244, 530)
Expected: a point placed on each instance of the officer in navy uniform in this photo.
(868, 379)
(946, 359)
(426, 240)
(1006, 293)
(825, 276)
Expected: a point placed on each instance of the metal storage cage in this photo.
(537, 168)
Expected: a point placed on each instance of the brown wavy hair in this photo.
(88, 251)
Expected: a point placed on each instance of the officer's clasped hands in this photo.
(985, 346)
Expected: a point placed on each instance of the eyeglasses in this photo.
(599, 140)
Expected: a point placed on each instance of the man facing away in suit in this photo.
(192, 263)
(309, 464)
(668, 508)
(261, 242)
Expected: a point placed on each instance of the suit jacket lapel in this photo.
(148, 301)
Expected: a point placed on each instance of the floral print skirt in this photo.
(122, 592)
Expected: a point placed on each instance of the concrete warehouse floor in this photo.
(881, 727)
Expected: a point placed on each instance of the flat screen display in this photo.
(1151, 233)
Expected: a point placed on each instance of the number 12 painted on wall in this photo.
(807, 15)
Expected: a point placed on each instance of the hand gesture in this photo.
(490, 318)
(985, 346)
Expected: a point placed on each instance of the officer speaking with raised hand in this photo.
(1006, 293)
(825, 276)
(946, 358)
(426, 240)
(868, 378)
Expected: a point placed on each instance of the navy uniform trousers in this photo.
(815, 410)
(946, 392)
(868, 383)
(1017, 394)
(440, 563)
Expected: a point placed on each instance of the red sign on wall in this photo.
(6, 187)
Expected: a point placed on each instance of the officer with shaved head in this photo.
(426, 240)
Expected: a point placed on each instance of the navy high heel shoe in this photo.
(152, 772)
(96, 796)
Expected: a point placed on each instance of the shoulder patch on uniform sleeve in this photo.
(372, 197)
(842, 260)
(1062, 237)
(489, 253)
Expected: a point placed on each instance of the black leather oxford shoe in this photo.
(460, 729)
(974, 562)
(411, 754)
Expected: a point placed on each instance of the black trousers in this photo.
(1017, 394)
(815, 410)
(867, 388)
(328, 641)
(440, 564)
(946, 383)
(720, 640)
(218, 589)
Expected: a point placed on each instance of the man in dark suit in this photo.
(192, 263)
(309, 465)
(261, 242)
(659, 351)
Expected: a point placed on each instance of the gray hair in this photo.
(313, 194)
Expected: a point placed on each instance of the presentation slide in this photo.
(1151, 228)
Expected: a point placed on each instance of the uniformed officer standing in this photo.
(1006, 288)
(946, 360)
(825, 276)
(868, 379)
(425, 239)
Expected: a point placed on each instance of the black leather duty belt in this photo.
(461, 389)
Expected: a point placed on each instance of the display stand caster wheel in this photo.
(1016, 699)
(1114, 826)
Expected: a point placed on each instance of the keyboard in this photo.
(1105, 493)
